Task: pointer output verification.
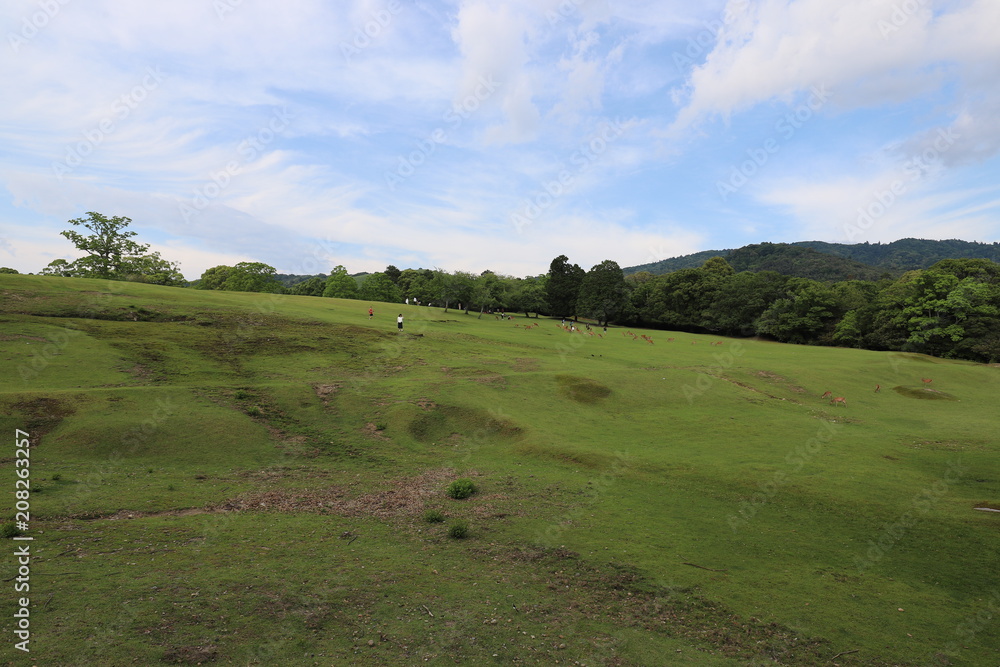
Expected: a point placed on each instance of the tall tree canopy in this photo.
(603, 292)
(563, 287)
(244, 277)
(340, 285)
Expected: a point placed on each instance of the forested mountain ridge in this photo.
(786, 258)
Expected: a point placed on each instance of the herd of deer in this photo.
(840, 400)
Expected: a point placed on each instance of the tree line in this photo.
(951, 309)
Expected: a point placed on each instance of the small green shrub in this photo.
(458, 530)
(9, 529)
(254, 411)
(461, 488)
(171, 487)
(380, 426)
(56, 477)
(433, 516)
(241, 395)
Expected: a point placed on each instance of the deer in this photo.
(878, 388)
(827, 394)
(839, 400)
(926, 380)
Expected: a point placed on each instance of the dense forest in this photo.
(884, 258)
(792, 293)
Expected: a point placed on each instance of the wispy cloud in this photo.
(166, 114)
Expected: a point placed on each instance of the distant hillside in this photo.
(908, 254)
(861, 260)
(803, 262)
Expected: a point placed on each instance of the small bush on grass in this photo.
(461, 488)
(254, 411)
(56, 477)
(458, 530)
(433, 516)
(9, 529)
(241, 395)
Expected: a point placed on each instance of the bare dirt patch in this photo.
(326, 391)
(774, 377)
(404, 497)
(525, 365)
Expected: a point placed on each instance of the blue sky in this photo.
(474, 135)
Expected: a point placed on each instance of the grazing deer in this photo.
(670, 340)
(827, 394)
(926, 380)
(839, 400)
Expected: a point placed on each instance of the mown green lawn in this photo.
(241, 479)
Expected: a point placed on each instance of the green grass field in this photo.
(230, 478)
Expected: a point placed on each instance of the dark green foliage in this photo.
(892, 258)
(7, 269)
(379, 287)
(244, 277)
(458, 530)
(461, 488)
(563, 287)
(313, 286)
(434, 516)
(340, 285)
(602, 292)
(9, 529)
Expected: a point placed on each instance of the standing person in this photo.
(370, 312)
(399, 322)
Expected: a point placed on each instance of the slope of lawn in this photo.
(238, 478)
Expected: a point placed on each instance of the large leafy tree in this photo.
(340, 285)
(309, 287)
(946, 299)
(244, 277)
(110, 248)
(379, 287)
(603, 292)
(528, 295)
(488, 291)
(152, 269)
(563, 287)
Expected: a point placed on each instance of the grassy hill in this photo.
(245, 478)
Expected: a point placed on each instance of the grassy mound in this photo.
(582, 390)
(923, 393)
